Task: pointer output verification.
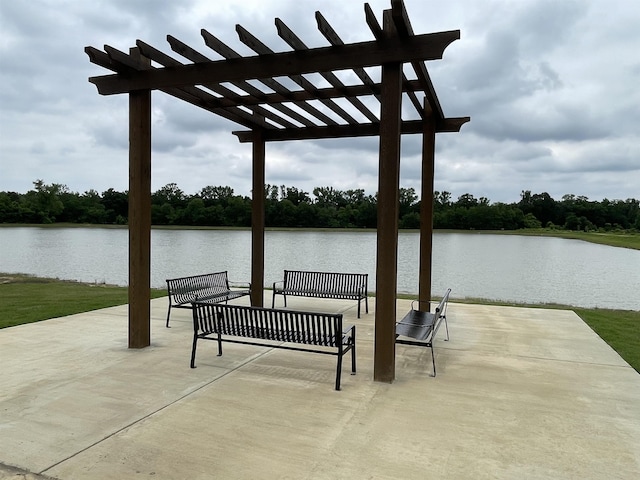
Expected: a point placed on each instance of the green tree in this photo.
(293, 195)
(219, 195)
(530, 221)
(410, 220)
(116, 205)
(44, 202)
(10, 209)
(170, 194)
(407, 198)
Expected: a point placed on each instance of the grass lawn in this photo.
(619, 328)
(27, 299)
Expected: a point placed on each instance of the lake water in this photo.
(496, 267)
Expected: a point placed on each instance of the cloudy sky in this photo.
(551, 86)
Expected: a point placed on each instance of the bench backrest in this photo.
(269, 324)
(186, 289)
(441, 312)
(353, 283)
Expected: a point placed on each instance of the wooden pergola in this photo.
(274, 112)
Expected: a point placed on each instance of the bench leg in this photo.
(168, 313)
(273, 299)
(193, 351)
(359, 301)
(446, 327)
(339, 370)
(219, 345)
(353, 358)
(433, 360)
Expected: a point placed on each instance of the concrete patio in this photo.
(520, 394)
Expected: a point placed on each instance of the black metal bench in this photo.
(210, 287)
(320, 332)
(351, 286)
(423, 326)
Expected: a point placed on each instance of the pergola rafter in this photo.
(249, 92)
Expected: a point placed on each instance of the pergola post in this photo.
(387, 228)
(426, 213)
(139, 215)
(257, 219)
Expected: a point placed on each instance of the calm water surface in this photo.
(498, 267)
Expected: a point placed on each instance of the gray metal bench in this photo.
(423, 326)
(318, 332)
(209, 287)
(351, 286)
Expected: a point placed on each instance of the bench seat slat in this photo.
(416, 324)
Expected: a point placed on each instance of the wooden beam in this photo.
(387, 231)
(255, 97)
(429, 46)
(349, 131)
(426, 214)
(332, 37)
(139, 218)
(294, 41)
(189, 94)
(232, 98)
(379, 34)
(217, 45)
(257, 46)
(404, 28)
(257, 220)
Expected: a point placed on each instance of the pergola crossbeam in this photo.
(218, 46)
(255, 97)
(294, 41)
(192, 95)
(334, 39)
(428, 46)
(405, 30)
(257, 46)
(216, 102)
(407, 127)
(378, 33)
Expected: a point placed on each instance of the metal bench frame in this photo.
(423, 326)
(218, 322)
(351, 286)
(210, 287)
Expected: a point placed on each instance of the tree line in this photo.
(328, 208)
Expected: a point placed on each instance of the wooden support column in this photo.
(139, 216)
(388, 209)
(426, 213)
(257, 220)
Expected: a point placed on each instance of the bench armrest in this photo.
(348, 334)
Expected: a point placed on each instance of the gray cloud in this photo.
(551, 88)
